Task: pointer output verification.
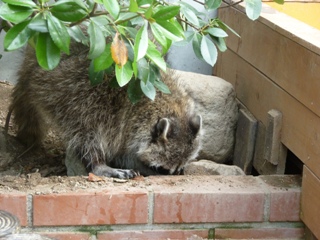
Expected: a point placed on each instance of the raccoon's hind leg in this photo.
(30, 123)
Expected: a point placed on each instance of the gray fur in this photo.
(99, 124)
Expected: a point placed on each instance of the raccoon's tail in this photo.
(30, 123)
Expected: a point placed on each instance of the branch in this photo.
(232, 4)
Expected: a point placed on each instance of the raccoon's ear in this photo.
(160, 130)
(195, 123)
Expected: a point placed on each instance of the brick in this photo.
(285, 194)
(263, 233)
(15, 204)
(217, 200)
(67, 235)
(152, 234)
(90, 208)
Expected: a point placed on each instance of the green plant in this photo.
(129, 37)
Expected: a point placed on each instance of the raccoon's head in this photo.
(173, 143)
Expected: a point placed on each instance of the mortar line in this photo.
(267, 197)
(150, 207)
(30, 210)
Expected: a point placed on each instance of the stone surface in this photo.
(206, 167)
(215, 101)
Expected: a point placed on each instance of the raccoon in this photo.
(110, 135)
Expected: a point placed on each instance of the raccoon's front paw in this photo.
(106, 171)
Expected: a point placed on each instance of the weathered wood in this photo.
(300, 126)
(245, 141)
(272, 140)
(310, 201)
(262, 165)
(286, 62)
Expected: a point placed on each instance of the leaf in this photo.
(17, 36)
(279, 1)
(24, 3)
(134, 91)
(48, 54)
(212, 4)
(159, 36)
(168, 30)
(208, 51)
(141, 42)
(97, 40)
(166, 12)
(148, 89)
(96, 77)
(253, 8)
(190, 14)
(119, 51)
(69, 10)
(105, 60)
(123, 74)
(154, 55)
(217, 32)
(220, 43)
(38, 24)
(113, 7)
(76, 33)
(196, 44)
(14, 14)
(224, 26)
(58, 33)
(162, 87)
(143, 69)
(133, 7)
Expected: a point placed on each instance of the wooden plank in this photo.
(245, 141)
(310, 201)
(300, 126)
(289, 64)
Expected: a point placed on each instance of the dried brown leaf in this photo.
(119, 51)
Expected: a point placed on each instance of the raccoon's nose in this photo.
(161, 170)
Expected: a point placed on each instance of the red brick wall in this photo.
(175, 207)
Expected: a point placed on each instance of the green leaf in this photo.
(162, 87)
(76, 33)
(48, 54)
(196, 44)
(212, 4)
(279, 1)
(143, 69)
(113, 7)
(97, 40)
(156, 30)
(14, 14)
(124, 74)
(24, 3)
(134, 91)
(38, 24)
(141, 42)
(190, 14)
(148, 89)
(104, 61)
(169, 30)
(17, 36)
(217, 32)
(69, 10)
(154, 55)
(208, 51)
(166, 12)
(133, 7)
(96, 77)
(220, 43)
(224, 26)
(253, 8)
(58, 33)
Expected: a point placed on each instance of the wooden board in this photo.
(289, 64)
(310, 201)
(300, 127)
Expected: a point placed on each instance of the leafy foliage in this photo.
(129, 36)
